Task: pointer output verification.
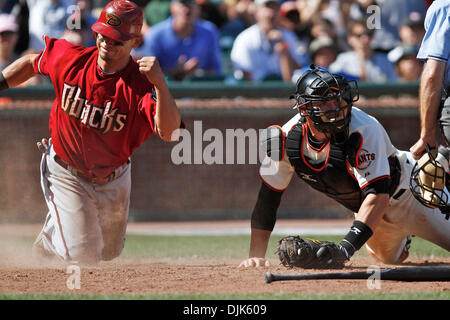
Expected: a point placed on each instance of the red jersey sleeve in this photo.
(51, 56)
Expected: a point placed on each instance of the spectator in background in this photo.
(290, 19)
(323, 52)
(156, 11)
(211, 11)
(363, 62)
(412, 30)
(81, 22)
(22, 14)
(321, 27)
(184, 45)
(331, 10)
(47, 17)
(393, 13)
(8, 39)
(388, 15)
(407, 67)
(6, 6)
(240, 14)
(265, 51)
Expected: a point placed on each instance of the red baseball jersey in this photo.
(97, 120)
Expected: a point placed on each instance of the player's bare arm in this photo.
(429, 99)
(258, 247)
(19, 71)
(372, 209)
(167, 116)
(262, 223)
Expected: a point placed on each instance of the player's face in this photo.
(185, 14)
(329, 110)
(111, 50)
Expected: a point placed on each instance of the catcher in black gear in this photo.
(345, 154)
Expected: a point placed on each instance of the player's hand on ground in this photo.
(149, 66)
(254, 262)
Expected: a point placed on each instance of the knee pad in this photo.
(392, 257)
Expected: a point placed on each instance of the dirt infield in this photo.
(19, 274)
(194, 277)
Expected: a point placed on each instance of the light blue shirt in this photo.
(162, 42)
(253, 52)
(378, 67)
(436, 42)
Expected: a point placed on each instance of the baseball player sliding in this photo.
(347, 155)
(106, 106)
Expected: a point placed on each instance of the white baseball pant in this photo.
(405, 217)
(86, 223)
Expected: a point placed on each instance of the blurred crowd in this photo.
(240, 40)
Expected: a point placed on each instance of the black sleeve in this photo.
(265, 212)
(378, 186)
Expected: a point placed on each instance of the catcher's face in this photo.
(323, 117)
(328, 111)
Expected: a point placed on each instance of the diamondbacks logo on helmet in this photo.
(120, 20)
(113, 20)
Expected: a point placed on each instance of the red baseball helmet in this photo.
(120, 20)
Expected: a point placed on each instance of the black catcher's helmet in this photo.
(317, 86)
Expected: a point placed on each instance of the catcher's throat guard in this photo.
(428, 181)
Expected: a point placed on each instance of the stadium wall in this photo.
(164, 191)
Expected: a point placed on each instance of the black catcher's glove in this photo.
(295, 251)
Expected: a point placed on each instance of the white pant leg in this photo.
(407, 216)
(426, 223)
(417, 219)
(113, 207)
(74, 232)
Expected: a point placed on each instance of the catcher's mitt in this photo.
(295, 251)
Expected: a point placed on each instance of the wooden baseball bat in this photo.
(439, 273)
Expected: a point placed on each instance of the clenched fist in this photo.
(149, 66)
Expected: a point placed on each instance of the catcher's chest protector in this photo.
(333, 179)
